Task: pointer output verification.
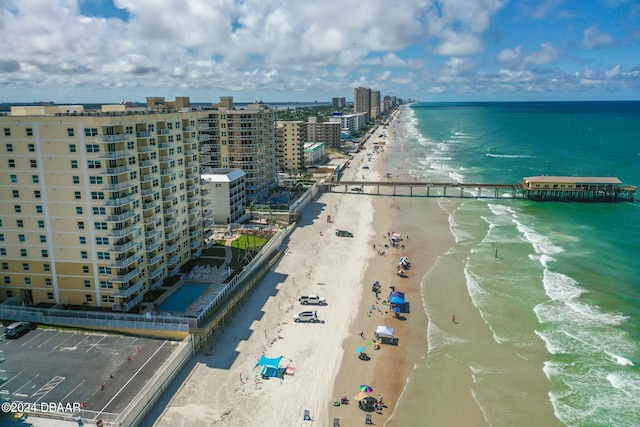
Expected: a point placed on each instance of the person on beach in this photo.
(361, 335)
(453, 318)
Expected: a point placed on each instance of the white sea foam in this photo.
(620, 360)
(508, 156)
(560, 287)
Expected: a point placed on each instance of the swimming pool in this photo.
(183, 297)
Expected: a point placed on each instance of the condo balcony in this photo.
(120, 186)
(115, 138)
(125, 261)
(156, 273)
(114, 154)
(126, 277)
(147, 148)
(121, 217)
(129, 305)
(120, 201)
(195, 233)
(205, 148)
(150, 235)
(149, 206)
(125, 231)
(156, 259)
(167, 171)
(127, 292)
(196, 244)
(173, 248)
(116, 171)
(123, 246)
(153, 246)
(164, 132)
(147, 163)
(143, 134)
(149, 192)
(171, 236)
(170, 222)
(207, 202)
(173, 260)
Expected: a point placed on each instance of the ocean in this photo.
(557, 284)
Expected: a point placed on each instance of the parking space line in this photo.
(64, 399)
(49, 339)
(132, 377)
(91, 346)
(45, 389)
(25, 384)
(32, 338)
(11, 379)
(63, 341)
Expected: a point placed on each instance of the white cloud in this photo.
(510, 56)
(613, 72)
(592, 38)
(545, 55)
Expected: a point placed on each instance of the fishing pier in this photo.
(543, 188)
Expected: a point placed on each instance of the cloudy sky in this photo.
(303, 50)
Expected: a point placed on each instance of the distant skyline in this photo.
(109, 51)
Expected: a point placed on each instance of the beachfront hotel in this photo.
(362, 101)
(99, 207)
(292, 136)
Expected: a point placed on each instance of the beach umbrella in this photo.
(360, 349)
(366, 388)
(361, 395)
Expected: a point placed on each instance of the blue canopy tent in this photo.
(397, 298)
(271, 367)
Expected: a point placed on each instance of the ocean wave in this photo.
(508, 156)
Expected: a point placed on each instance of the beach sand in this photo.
(222, 386)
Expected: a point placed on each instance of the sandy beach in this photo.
(222, 386)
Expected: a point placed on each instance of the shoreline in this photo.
(390, 368)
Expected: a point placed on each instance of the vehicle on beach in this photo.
(312, 299)
(306, 316)
(356, 189)
(344, 233)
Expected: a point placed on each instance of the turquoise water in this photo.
(182, 298)
(573, 281)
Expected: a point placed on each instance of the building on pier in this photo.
(577, 188)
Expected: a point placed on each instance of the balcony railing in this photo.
(115, 138)
(117, 171)
(128, 306)
(120, 201)
(124, 232)
(125, 293)
(126, 277)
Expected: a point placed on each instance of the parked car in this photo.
(306, 316)
(344, 233)
(356, 189)
(312, 299)
(16, 329)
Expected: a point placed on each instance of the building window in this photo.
(3, 251)
(97, 195)
(77, 195)
(85, 269)
(79, 210)
(16, 194)
(14, 179)
(104, 270)
(99, 211)
(7, 132)
(39, 209)
(95, 180)
(33, 163)
(5, 265)
(17, 208)
(23, 252)
(29, 131)
(83, 255)
(94, 164)
(31, 148)
(74, 164)
(45, 253)
(12, 163)
(90, 131)
(46, 268)
(21, 238)
(9, 294)
(35, 179)
(87, 283)
(49, 295)
(101, 225)
(88, 298)
(70, 132)
(25, 266)
(102, 240)
(93, 148)
(7, 280)
(108, 298)
(48, 282)
(105, 284)
(76, 179)
(80, 225)
(83, 240)
(36, 194)
(20, 223)
(27, 280)
(40, 223)
(103, 255)
(43, 238)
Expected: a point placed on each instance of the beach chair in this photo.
(368, 420)
(307, 415)
(336, 422)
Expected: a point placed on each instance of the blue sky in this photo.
(300, 50)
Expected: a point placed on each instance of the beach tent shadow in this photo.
(311, 213)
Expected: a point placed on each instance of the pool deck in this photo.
(213, 276)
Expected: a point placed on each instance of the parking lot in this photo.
(101, 372)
